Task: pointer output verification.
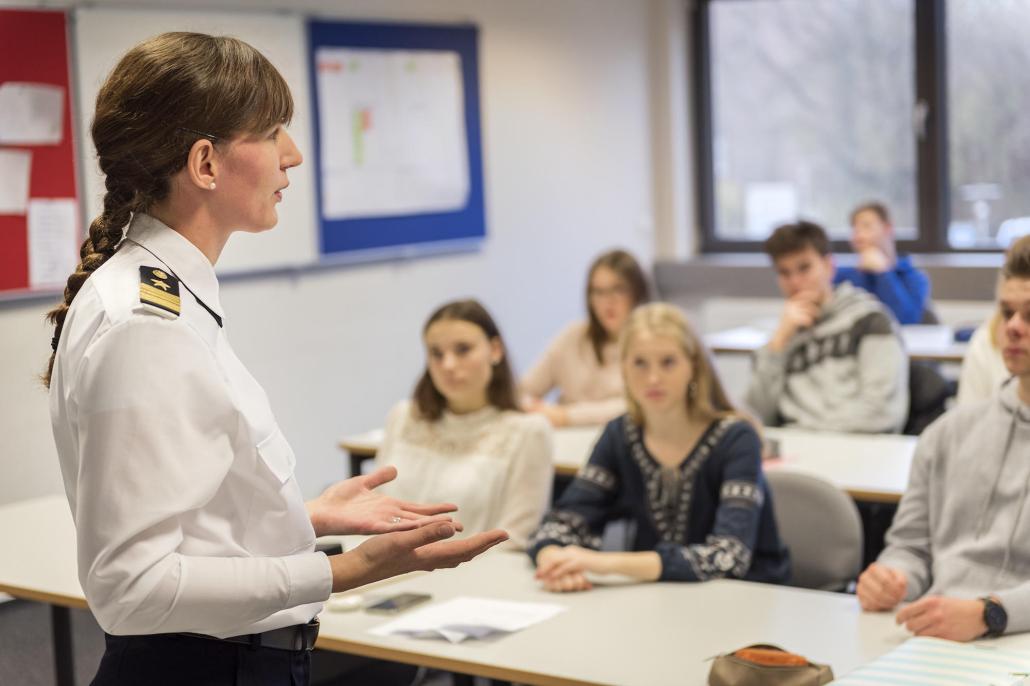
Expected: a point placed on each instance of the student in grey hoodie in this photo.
(959, 546)
(836, 361)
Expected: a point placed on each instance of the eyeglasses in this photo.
(200, 133)
(619, 291)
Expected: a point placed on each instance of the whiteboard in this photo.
(103, 35)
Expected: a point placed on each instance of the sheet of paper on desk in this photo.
(936, 662)
(31, 113)
(15, 169)
(467, 617)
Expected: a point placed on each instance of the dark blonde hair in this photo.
(500, 392)
(626, 268)
(163, 96)
(706, 399)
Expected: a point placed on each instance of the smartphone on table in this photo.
(398, 603)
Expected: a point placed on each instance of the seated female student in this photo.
(983, 368)
(892, 278)
(462, 436)
(683, 466)
(582, 361)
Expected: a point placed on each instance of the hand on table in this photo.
(881, 587)
(563, 569)
(352, 506)
(940, 617)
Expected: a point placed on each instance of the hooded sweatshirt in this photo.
(963, 526)
(847, 372)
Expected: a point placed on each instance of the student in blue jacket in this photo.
(899, 285)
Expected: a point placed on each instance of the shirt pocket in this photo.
(277, 455)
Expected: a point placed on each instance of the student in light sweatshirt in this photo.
(892, 278)
(959, 548)
(836, 361)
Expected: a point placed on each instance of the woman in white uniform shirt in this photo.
(462, 438)
(190, 523)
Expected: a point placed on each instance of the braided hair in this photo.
(163, 96)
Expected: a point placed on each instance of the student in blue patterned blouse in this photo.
(683, 466)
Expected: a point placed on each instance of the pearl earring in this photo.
(211, 185)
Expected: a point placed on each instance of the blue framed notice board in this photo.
(397, 135)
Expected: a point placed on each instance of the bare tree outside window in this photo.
(812, 106)
(988, 63)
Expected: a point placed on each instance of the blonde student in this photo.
(195, 547)
(461, 437)
(581, 362)
(683, 466)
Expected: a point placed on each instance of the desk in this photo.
(572, 446)
(872, 468)
(643, 634)
(930, 343)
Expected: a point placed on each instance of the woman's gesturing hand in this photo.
(352, 506)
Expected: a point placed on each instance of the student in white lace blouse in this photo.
(582, 361)
(462, 438)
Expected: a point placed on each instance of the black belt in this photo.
(297, 637)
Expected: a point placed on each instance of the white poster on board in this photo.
(392, 132)
(31, 113)
(15, 170)
(53, 241)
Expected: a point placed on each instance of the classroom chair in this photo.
(928, 393)
(820, 524)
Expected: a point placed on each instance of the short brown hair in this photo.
(1017, 260)
(626, 268)
(792, 238)
(877, 208)
(429, 401)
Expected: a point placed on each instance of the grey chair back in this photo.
(821, 526)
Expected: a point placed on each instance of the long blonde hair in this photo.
(706, 399)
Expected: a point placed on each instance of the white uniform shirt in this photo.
(496, 466)
(187, 513)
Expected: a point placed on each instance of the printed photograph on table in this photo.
(397, 136)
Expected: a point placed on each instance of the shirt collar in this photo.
(183, 258)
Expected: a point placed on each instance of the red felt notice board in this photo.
(34, 50)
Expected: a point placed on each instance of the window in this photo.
(807, 108)
(989, 127)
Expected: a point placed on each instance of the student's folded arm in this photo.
(728, 548)
(905, 294)
(542, 377)
(527, 489)
(882, 402)
(586, 413)
(768, 378)
(156, 433)
(580, 515)
(1016, 602)
(909, 542)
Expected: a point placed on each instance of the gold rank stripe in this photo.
(148, 293)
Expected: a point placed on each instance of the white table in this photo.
(924, 342)
(646, 634)
(869, 467)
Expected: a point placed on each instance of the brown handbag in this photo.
(767, 665)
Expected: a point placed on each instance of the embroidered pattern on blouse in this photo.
(567, 528)
(488, 433)
(747, 492)
(719, 557)
(600, 477)
(670, 489)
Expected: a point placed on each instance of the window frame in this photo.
(933, 191)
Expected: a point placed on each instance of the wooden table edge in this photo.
(447, 664)
(874, 496)
(23, 593)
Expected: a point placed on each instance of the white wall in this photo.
(576, 99)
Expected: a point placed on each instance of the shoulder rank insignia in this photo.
(159, 292)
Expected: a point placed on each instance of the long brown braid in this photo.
(163, 96)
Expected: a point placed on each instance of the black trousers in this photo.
(177, 660)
